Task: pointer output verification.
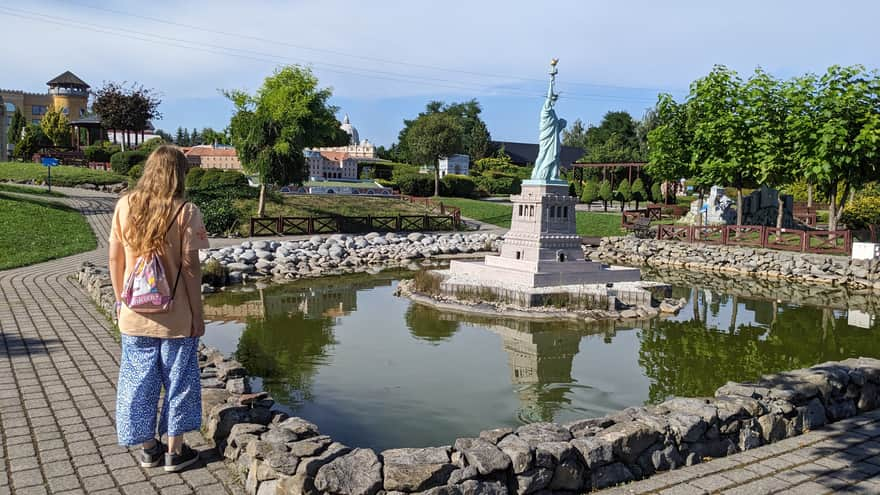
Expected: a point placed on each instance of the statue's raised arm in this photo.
(550, 145)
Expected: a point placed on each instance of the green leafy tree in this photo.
(127, 109)
(605, 193)
(16, 126)
(271, 128)
(168, 138)
(32, 139)
(431, 137)
(638, 191)
(624, 193)
(473, 136)
(575, 135)
(723, 144)
(669, 144)
(56, 127)
(656, 192)
(614, 140)
(210, 136)
(477, 141)
(590, 193)
(835, 126)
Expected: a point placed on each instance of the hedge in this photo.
(416, 184)
(862, 212)
(122, 162)
(458, 186)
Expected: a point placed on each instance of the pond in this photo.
(374, 370)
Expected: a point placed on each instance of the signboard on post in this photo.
(49, 162)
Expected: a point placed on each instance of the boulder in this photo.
(474, 487)
(300, 427)
(536, 433)
(356, 473)
(594, 451)
(532, 480)
(518, 451)
(496, 434)
(309, 447)
(310, 465)
(609, 475)
(487, 458)
(629, 439)
(416, 469)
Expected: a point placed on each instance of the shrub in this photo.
(503, 184)
(387, 183)
(220, 215)
(624, 192)
(122, 162)
(605, 192)
(458, 186)
(590, 192)
(136, 171)
(194, 177)
(150, 145)
(862, 212)
(215, 274)
(656, 193)
(417, 184)
(638, 190)
(101, 151)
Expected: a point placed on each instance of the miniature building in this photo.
(357, 149)
(209, 156)
(331, 165)
(454, 164)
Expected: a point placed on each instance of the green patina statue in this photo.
(547, 164)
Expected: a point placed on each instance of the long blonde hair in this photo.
(151, 203)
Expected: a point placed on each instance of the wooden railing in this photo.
(436, 205)
(805, 241)
(350, 224)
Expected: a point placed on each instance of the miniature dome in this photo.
(350, 129)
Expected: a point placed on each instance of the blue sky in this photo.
(386, 59)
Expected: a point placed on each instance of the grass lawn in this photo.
(304, 205)
(37, 191)
(32, 231)
(61, 175)
(592, 224)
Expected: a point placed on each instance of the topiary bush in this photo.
(101, 151)
(416, 184)
(136, 172)
(458, 186)
(590, 192)
(219, 214)
(122, 162)
(862, 212)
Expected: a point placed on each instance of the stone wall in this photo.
(754, 262)
(277, 454)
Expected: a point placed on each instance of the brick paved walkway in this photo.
(843, 457)
(58, 369)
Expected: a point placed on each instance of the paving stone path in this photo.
(58, 370)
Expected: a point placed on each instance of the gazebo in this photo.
(87, 130)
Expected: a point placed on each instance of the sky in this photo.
(384, 60)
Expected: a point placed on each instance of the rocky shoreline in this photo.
(810, 269)
(335, 254)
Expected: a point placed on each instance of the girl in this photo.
(160, 349)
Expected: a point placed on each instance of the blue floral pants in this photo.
(148, 365)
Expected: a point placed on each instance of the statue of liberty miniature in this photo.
(550, 145)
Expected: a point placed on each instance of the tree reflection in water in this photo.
(693, 358)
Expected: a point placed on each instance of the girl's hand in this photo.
(198, 327)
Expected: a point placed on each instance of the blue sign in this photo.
(50, 162)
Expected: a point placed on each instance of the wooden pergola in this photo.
(93, 130)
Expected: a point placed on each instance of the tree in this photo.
(179, 137)
(431, 137)
(575, 135)
(624, 193)
(56, 127)
(195, 138)
(474, 136)
(669, 144)
(210, 136)
(32, 139)
(835, 126)
(127, 109)
(723, 146)
(605, 193)
(271, 128)
(187, 140)
(656, 192)
(16, 126)
(638, 191)
(614, 140)
(168, 138)
(590, 193)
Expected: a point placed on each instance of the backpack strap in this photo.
(180, 268)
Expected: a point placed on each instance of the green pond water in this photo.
(374, 370)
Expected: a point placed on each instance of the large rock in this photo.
(481, 454)
(612, 474)
(536, 433)
(474, 487)
(413, 470)
(629, 439)
(309, 447)
(595, 452)
(532, 480)
(222, 418)
(518, 451)
(310, 465)
(357, 473)
(299, 427)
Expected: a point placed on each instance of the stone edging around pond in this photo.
(405, 288)
(282, 455)
(337, 254)
(813, 269)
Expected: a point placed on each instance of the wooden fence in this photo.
(652, 212)
(350, 224)
(805, 241)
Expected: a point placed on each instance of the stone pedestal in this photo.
(542, 248)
